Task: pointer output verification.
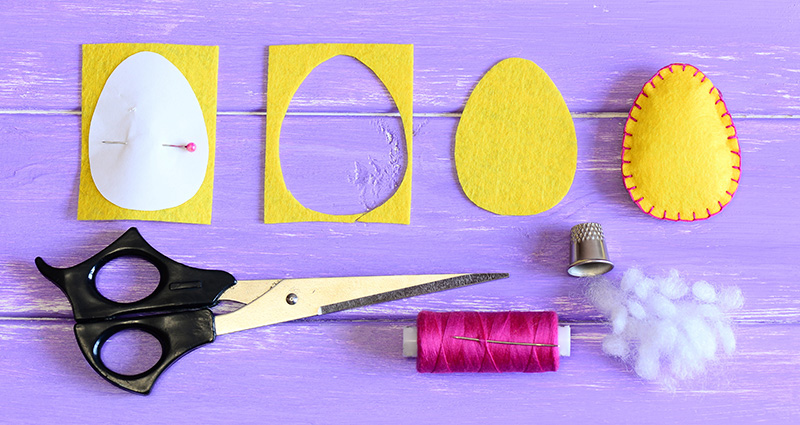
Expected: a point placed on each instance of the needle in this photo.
(505, 342)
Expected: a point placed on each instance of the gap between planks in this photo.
(594, 115)
(397, 319)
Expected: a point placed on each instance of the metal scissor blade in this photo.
(292, 299)
(456, 281)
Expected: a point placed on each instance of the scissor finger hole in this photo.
(127, 279)
(130, 352)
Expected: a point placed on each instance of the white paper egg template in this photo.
(145, 115)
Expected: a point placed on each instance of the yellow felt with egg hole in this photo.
(516, 149)
(199, 65)
(680, 155)
(288, 66)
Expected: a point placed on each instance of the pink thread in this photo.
(628, 134)
(440, 352)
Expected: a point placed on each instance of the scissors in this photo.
(178, 312)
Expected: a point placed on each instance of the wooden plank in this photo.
(599, 55)
(353, 372)
(346, 368)
(752, 244)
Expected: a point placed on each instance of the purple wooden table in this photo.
(347, 367)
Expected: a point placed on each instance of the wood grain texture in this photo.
(338, 153)
(447, 234)
(598, 54)
(353, 372)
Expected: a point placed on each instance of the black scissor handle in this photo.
(178, 333)
(180, 287)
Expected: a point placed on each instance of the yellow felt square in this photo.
(199, 64)
(680, 157)
(288, 67)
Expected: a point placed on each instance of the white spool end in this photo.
(564, 341)
(410, 341)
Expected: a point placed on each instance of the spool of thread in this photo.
(468, 341)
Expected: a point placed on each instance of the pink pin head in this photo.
(191, 147)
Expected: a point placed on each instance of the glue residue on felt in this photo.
(680, 156)
(666, 328)
(146, 104)
(516, 149)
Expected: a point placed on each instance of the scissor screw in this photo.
(291, 299)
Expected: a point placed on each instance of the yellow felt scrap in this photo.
(288, 67)
(199, 65)
(681, 157)
(516, 149)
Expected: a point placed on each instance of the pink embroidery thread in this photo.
(627, 134)
(467, 341)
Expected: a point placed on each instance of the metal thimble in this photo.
(588, 255)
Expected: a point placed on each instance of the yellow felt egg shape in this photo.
(680, 154)
(515, 149)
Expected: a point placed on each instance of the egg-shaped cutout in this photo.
(680, 150)
(343, 165)
(516, 149)
(289, 65)
(148, 144)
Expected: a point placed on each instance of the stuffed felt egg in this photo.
(680, 153)
(515, 148)
(148, 144)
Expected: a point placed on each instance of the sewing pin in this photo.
(191, 147)
(490, 341)
(115, 143)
